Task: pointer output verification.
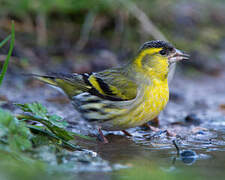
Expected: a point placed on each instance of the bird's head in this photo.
(155, 57)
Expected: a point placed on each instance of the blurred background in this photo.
(87, 35)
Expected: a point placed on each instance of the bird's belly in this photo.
(151, 103)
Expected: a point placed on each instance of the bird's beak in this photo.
(177, 56)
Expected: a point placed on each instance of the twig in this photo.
(146, 23)
(86, 30)
(177, 148)
(41, 29)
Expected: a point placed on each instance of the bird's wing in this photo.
(114, 84)
(109, 84)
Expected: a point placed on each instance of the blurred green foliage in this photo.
(23, 7)
(25, 149)
(13, 133)
(193, 25)
(15, 139)
(6, 63)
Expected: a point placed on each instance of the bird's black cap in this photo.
(157, 44)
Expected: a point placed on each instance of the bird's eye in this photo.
(162, 52)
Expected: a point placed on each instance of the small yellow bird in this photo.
(122, 97)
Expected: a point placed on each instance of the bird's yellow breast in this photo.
(151, 100)
(154, 100)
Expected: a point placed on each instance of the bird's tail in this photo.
(69, 83)
(51, 80)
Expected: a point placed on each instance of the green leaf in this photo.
(40, 114)
(57, 120)
(5, 41)
(34, 108)
(45, 133)
(6, 63)
(37, 112)
(60, 132)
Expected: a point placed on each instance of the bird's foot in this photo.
(152, 128)
(155, 122)
(158, 130)
(170, 133)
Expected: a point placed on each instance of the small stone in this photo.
(188, 157)
(193, 119)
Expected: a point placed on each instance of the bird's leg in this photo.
(126, 133)
(152, 128)
(170, 133)
(101, 136)
(155, 122)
